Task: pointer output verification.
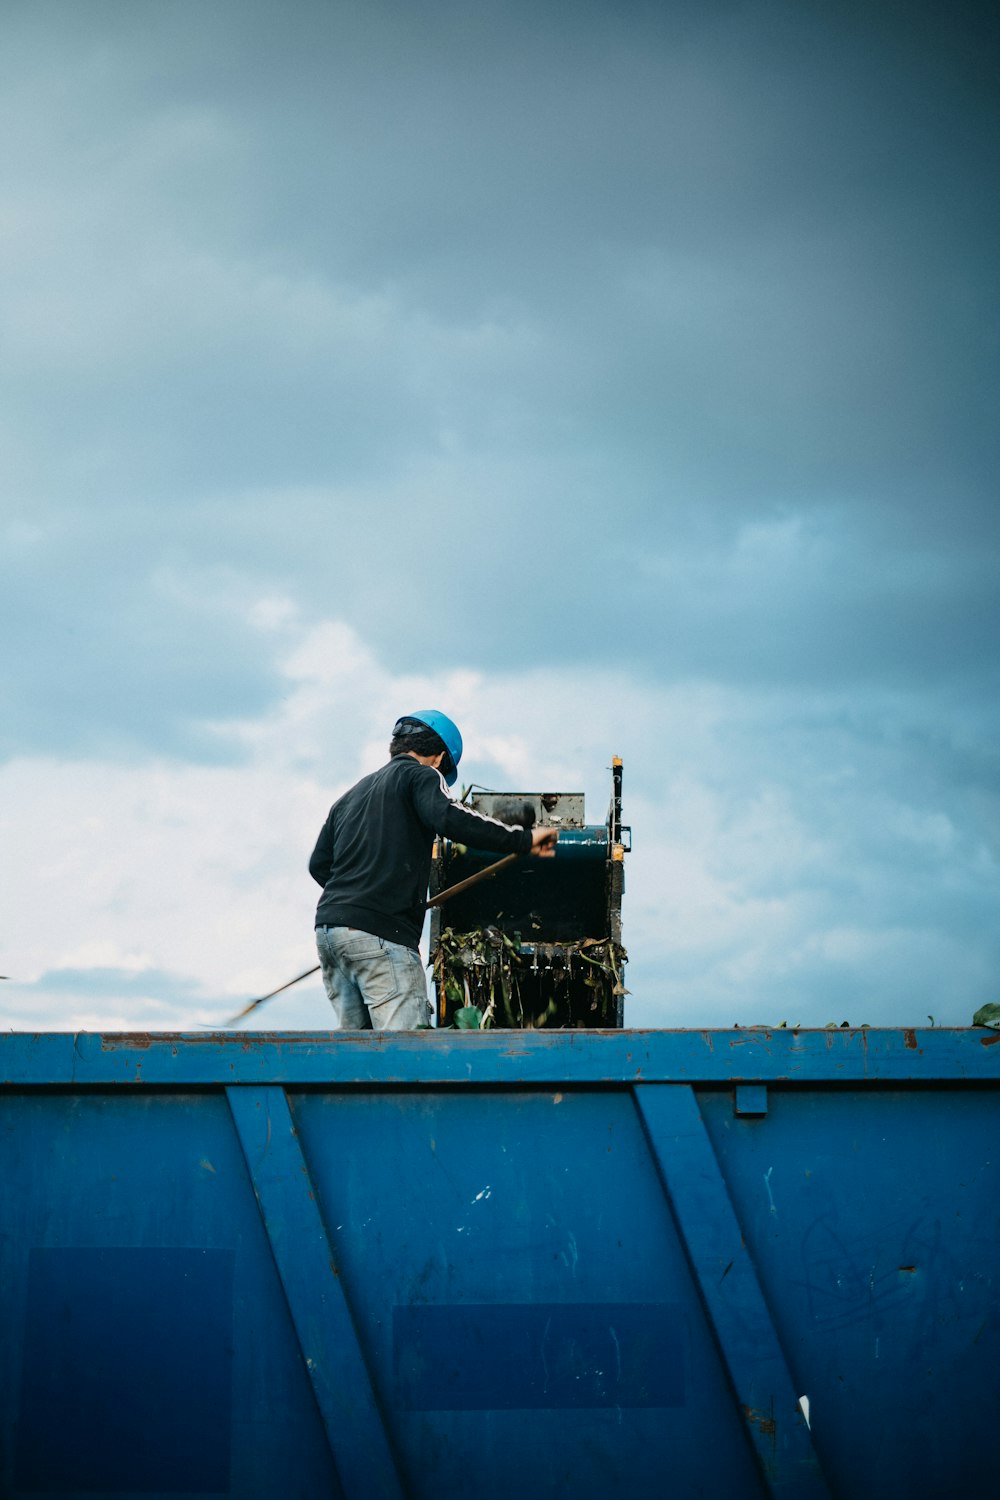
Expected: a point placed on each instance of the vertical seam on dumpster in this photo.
(730, 1290)
(314, 1291)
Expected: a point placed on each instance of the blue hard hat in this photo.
(447, 732)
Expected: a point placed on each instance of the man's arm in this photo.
(440, 814)
(321, 859)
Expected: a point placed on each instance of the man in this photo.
(373, 860)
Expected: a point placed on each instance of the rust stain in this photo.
(244, 1041)
(910, 1038)
(909, 1269)
(119, 1040)
(766, 1425)
(990, 1041)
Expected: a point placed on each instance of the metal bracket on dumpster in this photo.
(347, 1402)
(751, 1099)
(730, 1291)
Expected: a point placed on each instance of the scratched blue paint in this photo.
(433, 1202)
(460, 1200)
(873, 1219)
(753, 1055)
(510, 1356)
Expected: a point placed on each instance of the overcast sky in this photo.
(621, 378)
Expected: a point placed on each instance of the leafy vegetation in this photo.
(529, 985)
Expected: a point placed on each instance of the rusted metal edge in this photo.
(504, 1058)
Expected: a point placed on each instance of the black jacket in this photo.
(373, 855)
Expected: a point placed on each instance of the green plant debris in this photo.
(528, 985)
(987, 1015)
(468, 1018)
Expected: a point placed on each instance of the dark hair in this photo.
(410, 734)
(426, 743)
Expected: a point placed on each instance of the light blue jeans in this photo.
(373, 985)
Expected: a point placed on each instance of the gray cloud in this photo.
(644, 337)
(112, 983)
(108, 653)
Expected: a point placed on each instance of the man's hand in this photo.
(543, 842)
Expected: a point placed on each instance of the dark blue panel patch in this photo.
(127, 1371)
(521, 1355)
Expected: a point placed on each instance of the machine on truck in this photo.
(538, 943)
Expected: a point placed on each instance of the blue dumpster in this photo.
(722, 1263)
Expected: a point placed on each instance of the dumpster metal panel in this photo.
(873, 1220)
(130, 1188)
(498, 1214)
(151, 1325)
(576, 1263)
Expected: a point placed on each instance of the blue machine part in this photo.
(422, 1264)
(587, 843)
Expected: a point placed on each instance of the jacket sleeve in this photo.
(440, 814)
(321, 859)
